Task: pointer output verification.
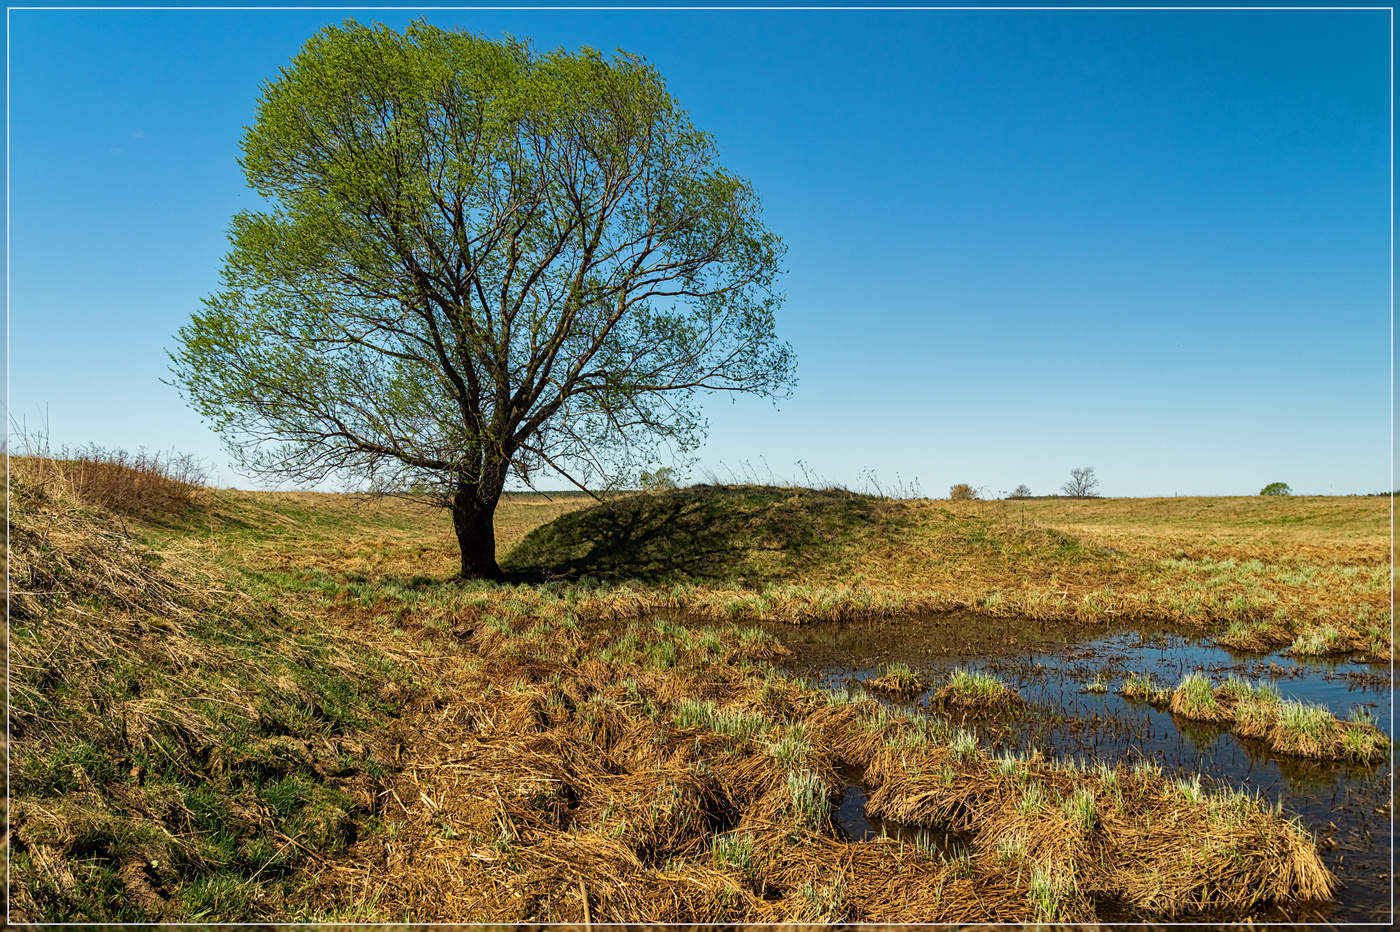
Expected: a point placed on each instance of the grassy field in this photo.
(280, 706)
(1310, 573)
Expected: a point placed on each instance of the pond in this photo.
(1346, 806)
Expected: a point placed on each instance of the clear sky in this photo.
(1156, 243)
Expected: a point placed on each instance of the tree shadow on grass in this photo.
(703, 533)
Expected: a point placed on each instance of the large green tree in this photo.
(474, 259)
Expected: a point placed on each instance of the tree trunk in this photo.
(473, 519)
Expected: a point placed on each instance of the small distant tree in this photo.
(1082, 483)
(962, 492)
(662, 480)
(1021, 491)
(1276, 488)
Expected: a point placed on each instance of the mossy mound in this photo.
(708, 533)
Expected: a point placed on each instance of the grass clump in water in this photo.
(1308, 730)
(1194, 699)
(1138, 687)
(1298, 729)
(976, 692)
(897, 680)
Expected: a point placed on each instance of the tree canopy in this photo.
(474, 259)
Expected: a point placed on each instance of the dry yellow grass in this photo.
(282, 705)
(584, 775)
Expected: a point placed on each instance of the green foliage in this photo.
(1276, 488)
(661, 480)
(472, 257)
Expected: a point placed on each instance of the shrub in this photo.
(1276, 488)
(1021, 491)
(140, 483)
(962, 492)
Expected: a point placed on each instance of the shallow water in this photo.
(1347, 806)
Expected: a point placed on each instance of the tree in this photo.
(1021, 491)
(962, 492)
(662, 479)
(1276, 488)
(473, 260)
(1082, 483)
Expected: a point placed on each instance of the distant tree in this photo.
(1081, 484)
(962, 492)
(662, 480)
(1021, 491)
(473, 259)
(1276, 488)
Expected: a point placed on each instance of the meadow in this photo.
(234, 706)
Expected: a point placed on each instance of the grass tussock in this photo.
(1139, 688)
(1117, 834)
(896, 680)
(973, 692)
(1194, 699)
(1294, 728)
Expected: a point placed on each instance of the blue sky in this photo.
(1156, 243)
